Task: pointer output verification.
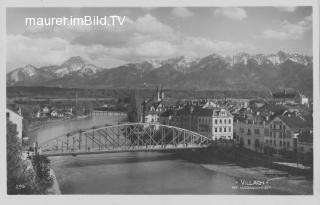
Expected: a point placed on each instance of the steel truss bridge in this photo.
(128, 137)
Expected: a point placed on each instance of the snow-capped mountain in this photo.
(73, 66)
(22, 73)
(210, 72)
(276, 59)
(76, 65)
(181, 63)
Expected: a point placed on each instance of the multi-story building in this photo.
(283, 131)
(188, 117)
(252, 133)
(216, 123)
(209, 120)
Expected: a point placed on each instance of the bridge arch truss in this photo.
(124, 138)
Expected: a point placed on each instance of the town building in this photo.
(252, 133)
(209, 120)
(168, 117)
(289, 97)
(16, 119)
(153, 107)
(216, 123)
(283, 130)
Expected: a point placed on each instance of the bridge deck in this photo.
(120, 151)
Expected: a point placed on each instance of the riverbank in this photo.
(245, 165)
(55, 189)
(278, 180)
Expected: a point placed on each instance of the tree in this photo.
(19, 178)
(41, 166)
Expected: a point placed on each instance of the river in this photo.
(134, 173)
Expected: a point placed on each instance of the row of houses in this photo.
(258, 125)
(53, 112)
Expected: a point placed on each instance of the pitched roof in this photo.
(284, 94)
(294, 122)
(279, 109)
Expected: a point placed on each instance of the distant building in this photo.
(153, 107)
(304, 100)
(16, 119)
(289, 97)
(46, 110)
(54, 113)
(167, 117)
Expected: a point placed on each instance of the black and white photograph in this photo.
(161, 100)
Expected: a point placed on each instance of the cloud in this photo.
(149, 24)
(233, 13)
(156, 49)
(22, 50)
(145, 37)
(199, 46)
(182, 12)
(288, 8)
(289, 31)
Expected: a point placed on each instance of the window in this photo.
(280, 143)
(215, 129)
(256, 131)
(225, 129)
(288, 144)
(266, 141)
(220, 121)
(229, 121)
(274, 142)
(225, 121)
(249, 132)
(284, 127)
(8, 115)
(216, 121)
(249, 142)
(241, 130)
(220, 129)
(229, 129)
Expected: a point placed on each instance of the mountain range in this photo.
(213, 72)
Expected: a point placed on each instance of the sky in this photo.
(156, 33)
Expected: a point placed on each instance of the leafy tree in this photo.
(41, 166)
(19, 178)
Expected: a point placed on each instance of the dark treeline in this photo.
(55, 92)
